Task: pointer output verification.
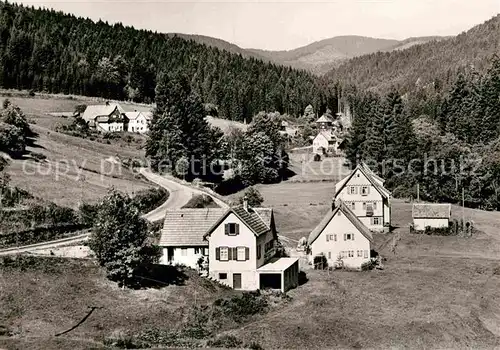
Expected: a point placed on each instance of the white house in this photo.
(364, 193)
(241, 251)
(325, 141)
(105, 118)
(341, 237)
(138, 122)
(433, 215)
(181, 238)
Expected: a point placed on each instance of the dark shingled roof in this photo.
(252, 219)
(431, 211)
(339, 205)
(186, 227)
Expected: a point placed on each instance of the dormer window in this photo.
(232, 229)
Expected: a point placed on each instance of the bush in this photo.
(147, 200)
(88, 213)
(253, 197)
(200, 201)
(317, 157)
(369, 265)
(320, 262)
(122, 340)
(240, 307)
(226, 341)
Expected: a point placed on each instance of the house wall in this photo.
(421, 224)
(331, 249)
(247, 269)
(291, 277)
(320, 142)
(139, 125)
(265, 256)
(111, 127)
(187, 256)
(382, 211)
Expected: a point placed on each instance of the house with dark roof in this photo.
(341, 238)
(433, 215)
(242, 250)
(239, 242)
(109, 117)
(181, 238)
(364, 193)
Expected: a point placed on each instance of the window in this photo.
(366, 253)
(184, 252)
(259, 251)
(351, 253)
(335, 238)
(364, 205)
(240, 254)
(232, 229)
(365, 190)
(374, 205)
(223, 276)
(342, 254)
(224, 255)
(353, 190)
(329, 255)
(376, 221)
(197, 250)
(360, 253)
(331, 238)
(348, 236)
(353, 205)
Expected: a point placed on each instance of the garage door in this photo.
(270, 281)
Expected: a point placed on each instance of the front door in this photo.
(237, 280)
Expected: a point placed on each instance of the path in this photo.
(179, 195)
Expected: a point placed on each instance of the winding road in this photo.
(179, 195)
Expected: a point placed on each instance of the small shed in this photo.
(433, 215)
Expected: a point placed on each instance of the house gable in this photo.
(360, 176)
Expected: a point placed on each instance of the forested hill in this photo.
(50, 51)
(432, 62)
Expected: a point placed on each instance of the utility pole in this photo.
(463, 210)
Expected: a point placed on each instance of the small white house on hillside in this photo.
(181, 238)
(325, 141)
(138, 122)
(433, 215)
(341, 237)
(242, 251)
(364, 193)
(109, 117)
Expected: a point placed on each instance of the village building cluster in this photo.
(331, 133)
(237, 246)
(112, 117)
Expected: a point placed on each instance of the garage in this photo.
(270, 281)
(279, 273)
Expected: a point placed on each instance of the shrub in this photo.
(240, 307)
(253, 197)
(88, 213)
(320, 262)
(122, 340)
(201, 201)
(317, 157)
(226, 341)
(254, 346)
(369, 265)
(147, 200)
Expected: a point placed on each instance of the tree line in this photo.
(45, 50)
(444, 140)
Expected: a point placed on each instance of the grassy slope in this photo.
(78, 152)
(40, 301)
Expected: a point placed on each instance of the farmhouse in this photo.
(433, 215)
(241, 251)
(138, 122)
(326, 141)
(324, 122)
(182, 235)
(364, 193)
(105, 118)
(341, 238)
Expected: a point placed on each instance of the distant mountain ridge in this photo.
(409, 66)
(318, 57)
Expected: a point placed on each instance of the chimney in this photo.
(333, 204)
(245, 203)
(107, 103)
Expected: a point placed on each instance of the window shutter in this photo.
(327, 238)
(247, 253)
(217, 253)
(345, 237)
(237, 226)
(230, 254)
(235, 253)
(352, 236)
(226, 229)
(335, 237)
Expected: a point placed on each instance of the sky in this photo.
(285, 25)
